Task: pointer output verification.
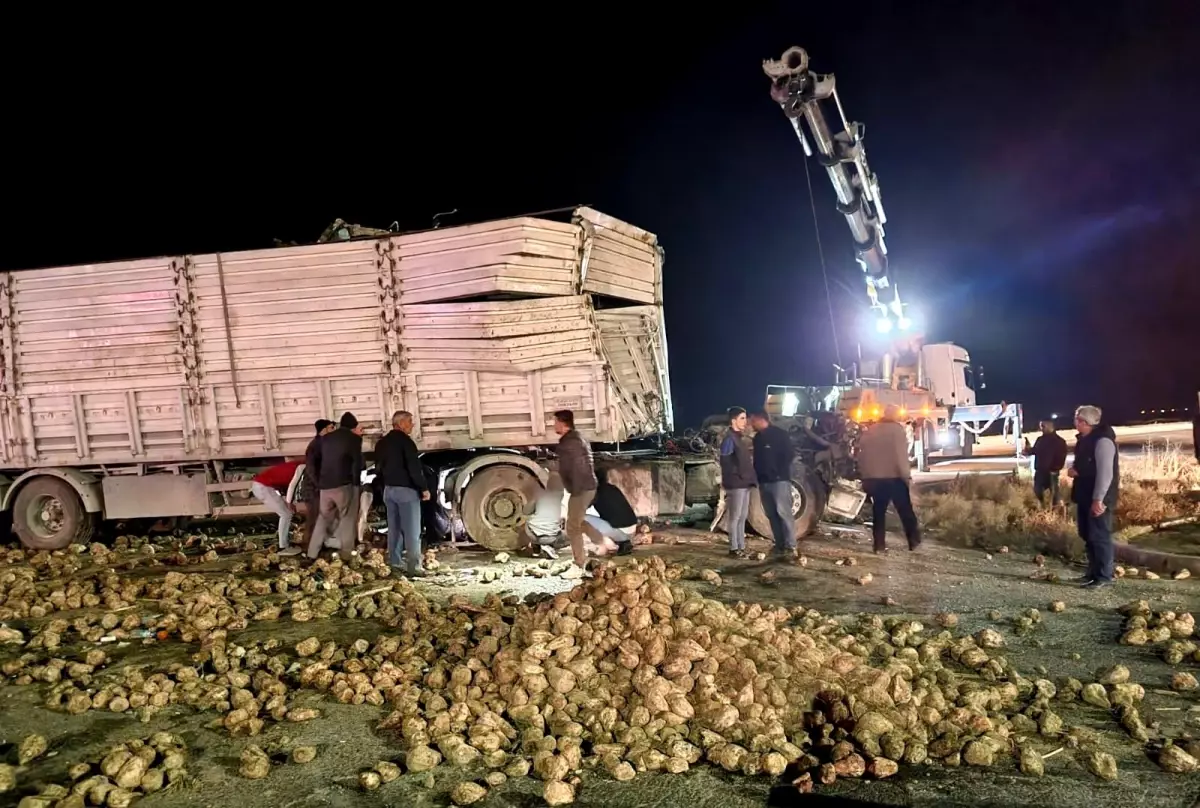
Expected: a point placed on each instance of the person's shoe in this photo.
(417, 573)
(290, 551)
(1086, 580)
(914, 546)
(735, 553)
(549, 552)
(1097, 584)
(625, 548)
(879, 550)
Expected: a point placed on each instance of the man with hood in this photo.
(1097, 475)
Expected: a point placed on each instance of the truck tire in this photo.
(493, 505)
(49, 515)
(808, 504)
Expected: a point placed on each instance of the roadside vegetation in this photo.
(1160, 488)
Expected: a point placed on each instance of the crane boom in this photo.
(801, 93)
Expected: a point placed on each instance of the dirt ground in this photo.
(937, 578)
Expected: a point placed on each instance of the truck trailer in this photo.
(155, 388)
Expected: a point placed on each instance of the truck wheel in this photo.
(808, 503)
(49, 515)
(493, 505)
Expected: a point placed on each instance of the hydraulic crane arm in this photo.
(801, 94)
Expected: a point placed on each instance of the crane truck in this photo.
(933, 384)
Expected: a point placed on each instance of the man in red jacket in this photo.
(268, 488)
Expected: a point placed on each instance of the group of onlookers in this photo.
(598, 518)
(885, 469)
(1096, 473)
(331, 490)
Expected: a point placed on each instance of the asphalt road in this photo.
(993, 456)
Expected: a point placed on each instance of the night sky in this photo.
(1038, 163)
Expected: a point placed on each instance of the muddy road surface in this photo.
(984, 591)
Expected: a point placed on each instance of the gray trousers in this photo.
(777, 502)
(274, 501)
(737, 508)
(340, 504)
(404, 525)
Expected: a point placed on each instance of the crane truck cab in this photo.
(934, 387)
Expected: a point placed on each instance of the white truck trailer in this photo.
(154, 388)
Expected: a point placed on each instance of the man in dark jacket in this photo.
(614, 515)
(578, 474)
(1097, 475)
(1049, 458)
(398, 466)
(337, 471)
(309, 493)
(773, 469)
(737, 478)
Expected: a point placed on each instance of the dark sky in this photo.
(1038, 162)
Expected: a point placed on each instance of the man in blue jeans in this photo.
(773, 467)
(737, 478)
(404, 488)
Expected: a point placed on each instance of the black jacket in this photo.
(1049, 453)
(339, 460)
(612, 506)
(397, 463)
(772, 455)
(1086, 471)
(737, 468)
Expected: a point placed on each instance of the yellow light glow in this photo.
(858, 414)
(903, 411)
(874, 412)
(924, 410)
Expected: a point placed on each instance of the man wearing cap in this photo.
(337, 466)
(309, 493)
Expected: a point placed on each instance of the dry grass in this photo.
(1166, 464)
(989, 511)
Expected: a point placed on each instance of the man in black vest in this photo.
(1097, 476)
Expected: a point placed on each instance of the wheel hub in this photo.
(797, 501)
(48, 515)
(503, 507)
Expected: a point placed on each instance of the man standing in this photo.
(309, 493)
(773, 468)
(885, 471)
(266, 487)
(737, 478)
(579, 478)
(404, 489)
(1049, 457)
(1097, 475)
(337, 471)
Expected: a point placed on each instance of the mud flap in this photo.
(845, 500)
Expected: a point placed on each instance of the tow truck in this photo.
(933, 384)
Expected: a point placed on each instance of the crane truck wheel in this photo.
(808, 504)
(47, 514)
(493, 505)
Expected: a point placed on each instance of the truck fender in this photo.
(85, 485)
(468, 469)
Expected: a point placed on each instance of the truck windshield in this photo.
(968, 376)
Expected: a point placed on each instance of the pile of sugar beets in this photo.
(629, 672)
